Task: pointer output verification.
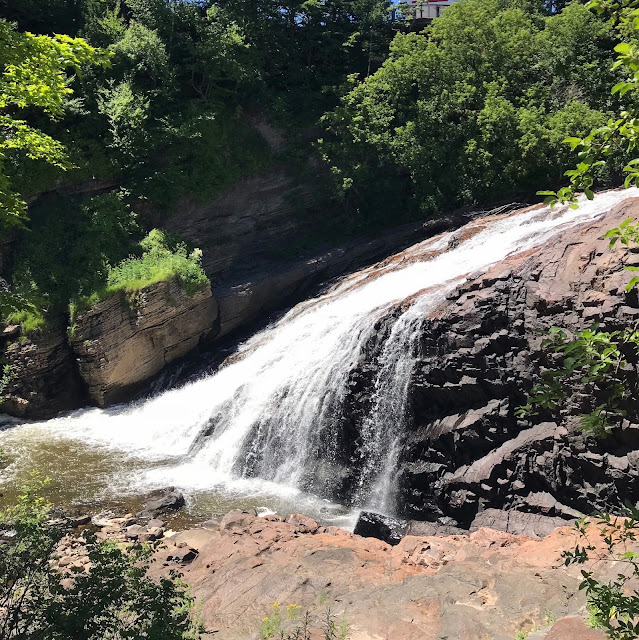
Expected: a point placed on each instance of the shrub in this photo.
(163, 259)
(156, 265)
(25, 309)
(68, 250)
(29, 320)
(612, 605)
(115, 599)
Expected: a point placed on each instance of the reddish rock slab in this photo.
(488, 585)
(571, 628)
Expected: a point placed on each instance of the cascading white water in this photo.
(383, 426)
(275, 413)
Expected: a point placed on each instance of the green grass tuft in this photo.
(29, 320)
(161, 261)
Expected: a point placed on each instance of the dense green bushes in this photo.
(476, 109)
(67, 253)
(162, 259)
(114, 599)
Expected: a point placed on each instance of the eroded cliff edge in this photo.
(123, 341)
(110, 351)
(479, 355)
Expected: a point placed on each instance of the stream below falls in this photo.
(273, 428)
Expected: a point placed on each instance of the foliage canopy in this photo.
(33, 75)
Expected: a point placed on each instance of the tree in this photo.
(621, 132)
(34, 75)
(304, 49)
(474, 109)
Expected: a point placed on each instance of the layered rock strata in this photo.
(118, 344)
(42, 377)
(123, 341)
(480, 354)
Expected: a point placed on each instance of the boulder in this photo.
(303, 524)
(155, 522)
(375, 525)
(573, 628)
(150, 534)
(162, 501)
(135, 531)
(236, 519)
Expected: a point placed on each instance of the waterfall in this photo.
(276, 412)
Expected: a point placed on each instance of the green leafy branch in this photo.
(596, 360)
(613, 604)
(34, 73)
(620, 133)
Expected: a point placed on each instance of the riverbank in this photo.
(482, 585)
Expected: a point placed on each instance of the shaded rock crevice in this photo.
(44, 378)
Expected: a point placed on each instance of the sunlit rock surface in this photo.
(120, 342)
(488, 585)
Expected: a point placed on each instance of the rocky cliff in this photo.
(124, 340)
(118, 345)
(43, 377)
(480, 353)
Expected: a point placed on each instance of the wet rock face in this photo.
(465, 451)
(120, 343)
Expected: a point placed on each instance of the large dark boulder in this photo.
(162, 501)
(375, 525)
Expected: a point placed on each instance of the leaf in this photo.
(618, 87)
(632, 284)
(573, 142)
